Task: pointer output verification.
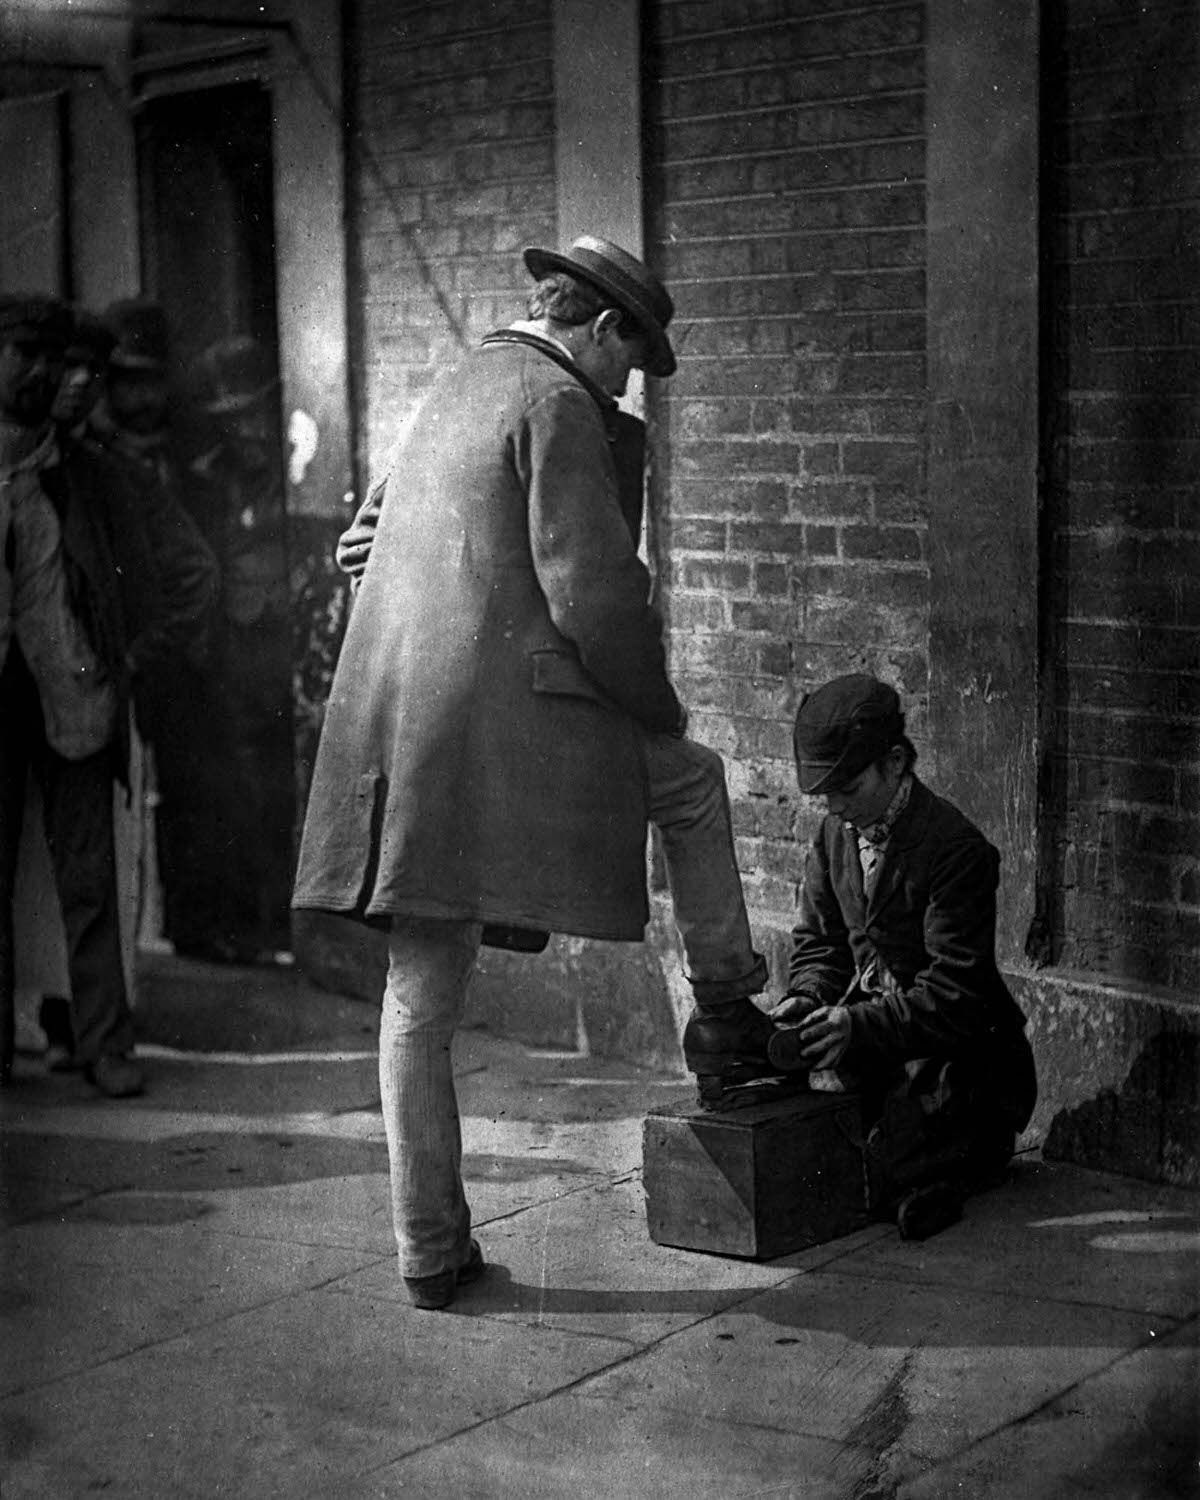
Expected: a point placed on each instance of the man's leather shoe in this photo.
(432, 1293)
(118, 1077)
(726, 1047)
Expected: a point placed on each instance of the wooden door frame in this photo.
(297, 57)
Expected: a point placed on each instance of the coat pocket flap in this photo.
(557, 672)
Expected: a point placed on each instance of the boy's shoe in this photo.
(117, 1077)
(928, 1210)
(726, 1048)
(432, 1293)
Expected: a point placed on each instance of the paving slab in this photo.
(508, 1166)
(190, 1005)
(78, 1293)
(304, 1176)
(296, 1185)
(582, 1445)
(230, 1171)
(1129, 1432)
(350, 1212)
(1063, 1235)
(298, 1398)
(584, 1262)
(497, 1079)
(201, 1297)
(29, 1195)
(875, 1365)
(509, 1153)
(248, 1084)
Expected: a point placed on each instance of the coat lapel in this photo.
(909, 830)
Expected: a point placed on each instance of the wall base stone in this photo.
(1118, 1069)
(1118, 1075)
(617, 1000)
(339, 955)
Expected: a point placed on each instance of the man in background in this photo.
(235, 491)
(172, 587)
(64, 688)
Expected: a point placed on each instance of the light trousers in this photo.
(430, 963)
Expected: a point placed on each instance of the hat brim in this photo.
(819, 776)
(660, 357)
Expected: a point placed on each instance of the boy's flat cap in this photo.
(842, 728)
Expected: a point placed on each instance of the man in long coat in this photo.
(501, 726)
(893, 987)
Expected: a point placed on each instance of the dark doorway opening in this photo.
(207, 209)
(208, 223)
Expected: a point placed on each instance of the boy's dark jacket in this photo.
(930, 923)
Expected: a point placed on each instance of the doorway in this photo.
(207, 224)
(206, 195)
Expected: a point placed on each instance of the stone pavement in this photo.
(199, 1298)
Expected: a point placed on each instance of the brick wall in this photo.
(1124, 194)
(786, 212)
(452, 169)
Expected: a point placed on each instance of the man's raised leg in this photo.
(725, 1040)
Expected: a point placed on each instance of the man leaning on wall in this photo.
(501, 726)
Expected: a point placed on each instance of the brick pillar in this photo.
(598, 136)
(982, 208)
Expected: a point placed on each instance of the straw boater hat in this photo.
(632, 286)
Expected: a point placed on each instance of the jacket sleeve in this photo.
(949, 1003)
(597, 589)
(821, 965)
(355, 543)
(188, 584)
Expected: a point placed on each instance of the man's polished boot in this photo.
(725, 1045)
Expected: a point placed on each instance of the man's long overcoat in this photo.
(480, 755)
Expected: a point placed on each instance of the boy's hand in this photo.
(825, 1034)
(793, 1008)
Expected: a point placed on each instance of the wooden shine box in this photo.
(757, 1182)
